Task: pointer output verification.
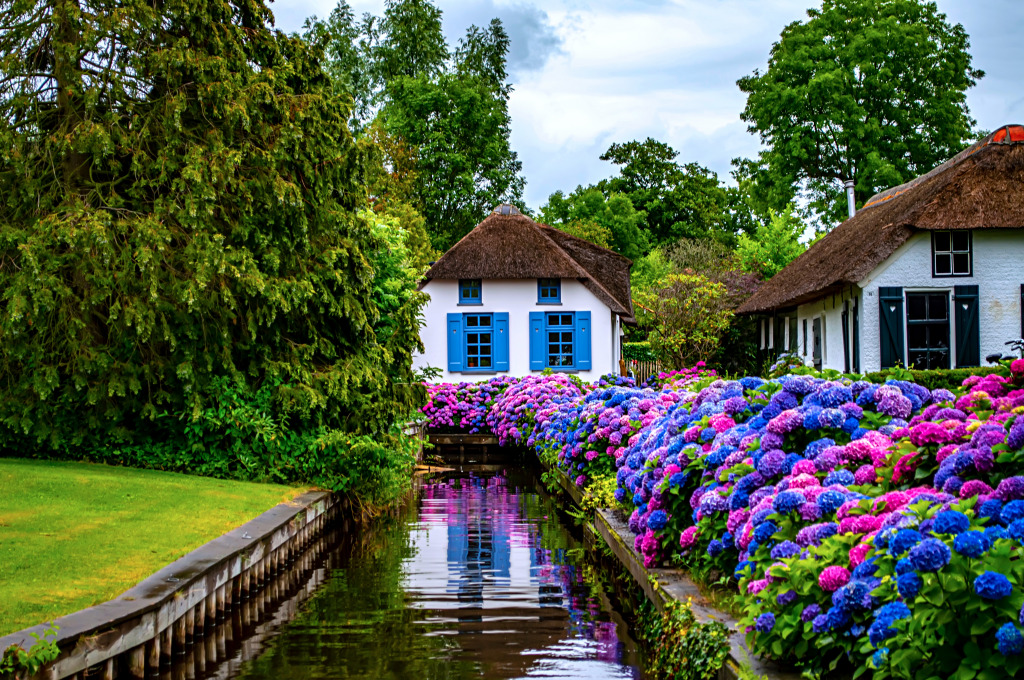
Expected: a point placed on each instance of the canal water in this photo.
(479, 578)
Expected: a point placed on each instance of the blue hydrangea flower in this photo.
(972, 543)
(784, 550)
(909, 585)
(829, 501)
(744, 568)
(786, 598)
(881, 629)
(715, 548)
(992, 586)
(1011, 642)
(1011, 512)
(765, 531)
(951, 522)
(904, 540)
(995, 533)
(931, 554)
(1016, 530)
(657, 520)
(787, 501)
(765, 622)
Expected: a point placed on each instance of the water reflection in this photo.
(479, 581)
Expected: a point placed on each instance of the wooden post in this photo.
(211, 608)
(167, 644)
(108, 669)
(190, 625)
(137, 662)
(200, 625)
(180, 639)
(153, 655)
(211, 648)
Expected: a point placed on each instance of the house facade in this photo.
(515, 298)
(928, 274)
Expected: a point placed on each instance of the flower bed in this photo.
(877, 527)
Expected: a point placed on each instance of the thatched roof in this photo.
(509, 245)
(979, 188)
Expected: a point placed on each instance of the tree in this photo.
(179, 194)
(448, 108)
(346, 47)
(868, 90)
(614, 213)
(679, 200)
(775, 244)
(685, 318)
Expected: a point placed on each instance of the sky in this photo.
(587, 74)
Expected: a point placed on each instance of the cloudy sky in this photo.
(588, 73)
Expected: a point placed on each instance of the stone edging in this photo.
(163, 611)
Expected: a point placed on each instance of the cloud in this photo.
(533, 40)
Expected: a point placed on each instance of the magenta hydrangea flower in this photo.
(833, 578)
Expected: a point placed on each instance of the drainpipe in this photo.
(851, 203)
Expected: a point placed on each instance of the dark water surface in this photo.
(479, 579)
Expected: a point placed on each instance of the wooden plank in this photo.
(463, 439)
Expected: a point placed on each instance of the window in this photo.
(560, 340)
(469, 292)
(951, 253)
(549, 291)
(561, 334)
(928, 330)
(479, 343)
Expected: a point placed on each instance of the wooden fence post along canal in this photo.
(186, 610)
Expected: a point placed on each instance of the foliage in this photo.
(613, 214)
(678, 200)
(937, 379)
(17, 662)
(179, 219)
(638, 351)
(680, 647)
(869, 90)
(774, 244)
(442, 111)
(685, 317)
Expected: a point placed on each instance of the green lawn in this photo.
(76, 534)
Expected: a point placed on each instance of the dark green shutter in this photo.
(968, 331)
(846, 337)
(455, 344)
(890, 319)
(856, 334)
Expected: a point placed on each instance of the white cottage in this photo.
(514, 297)
(928, 274)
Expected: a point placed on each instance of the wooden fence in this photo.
(642, 370)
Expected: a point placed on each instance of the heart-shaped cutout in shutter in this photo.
(892, 308)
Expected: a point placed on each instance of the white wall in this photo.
(518, 297)
(830, 310)
(998, 272)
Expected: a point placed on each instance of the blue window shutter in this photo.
(537, 344)
(968, 332)
(455, 343)
(582, 348)
(501, 341)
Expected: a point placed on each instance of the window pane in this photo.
(917, 336)
(941, 241)
(485, 338)
(938, 336)
(553, 337)
(937, 307)
(553, 349)
(472, 362)
(473, 338)
(472, 350)
(916, 310)
(472, 321)
(961, 241)
(566, 319)
(962, 263)
(943, 265)
(485, 362)
(485, 321)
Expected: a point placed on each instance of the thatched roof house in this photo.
(540, 283)
(955, 233)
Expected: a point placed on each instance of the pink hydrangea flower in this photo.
(858, 554)
(833, 578)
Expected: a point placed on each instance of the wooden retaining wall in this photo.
(170, 613)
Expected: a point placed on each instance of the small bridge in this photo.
(472, 449)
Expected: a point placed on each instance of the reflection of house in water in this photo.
(480, 570)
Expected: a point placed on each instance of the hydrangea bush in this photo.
(872, 526)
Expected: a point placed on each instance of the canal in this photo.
(478, 577)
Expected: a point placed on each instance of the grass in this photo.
(76, 534)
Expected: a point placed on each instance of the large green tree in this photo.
(868, 90)
(449, 106)
(586, 208)
(680, 201)
(179, 197)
